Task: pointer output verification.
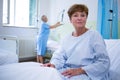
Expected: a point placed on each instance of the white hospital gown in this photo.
(87, 51)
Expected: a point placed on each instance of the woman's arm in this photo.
(101, 62)
(55, 25)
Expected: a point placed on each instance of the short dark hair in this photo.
(77, 8)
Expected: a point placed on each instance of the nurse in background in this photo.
(83, 54)
(43, 38)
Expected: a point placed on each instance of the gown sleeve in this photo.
(101, 63)
(59, 57)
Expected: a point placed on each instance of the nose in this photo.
(79, 18)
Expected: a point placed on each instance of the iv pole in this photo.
(62, 16)
(111, 20)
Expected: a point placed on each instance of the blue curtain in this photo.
(107, 20)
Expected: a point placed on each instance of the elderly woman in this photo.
(82, 55)
(43, 37)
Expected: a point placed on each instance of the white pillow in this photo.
(6, 57)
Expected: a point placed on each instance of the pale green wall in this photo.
(91, 25)
(60, 32)
(66, 28)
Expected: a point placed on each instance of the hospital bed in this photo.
(51, 47)
(33, 71)
(9, 49)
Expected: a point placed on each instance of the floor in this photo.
(28, 59)
(33, 59)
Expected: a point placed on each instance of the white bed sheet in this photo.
(113, 48)
(52, 45)
(28, 71)
(7, 57)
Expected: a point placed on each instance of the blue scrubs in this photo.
(42, 39)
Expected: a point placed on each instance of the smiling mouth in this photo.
(79, 22)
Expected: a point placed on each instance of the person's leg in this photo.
(39, 59)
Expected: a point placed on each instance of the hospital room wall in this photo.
(56, 9)
(55, 15)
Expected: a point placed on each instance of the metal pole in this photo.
(111, 11)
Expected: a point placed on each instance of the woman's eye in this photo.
(75, 15)
(83, 15)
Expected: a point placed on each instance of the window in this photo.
(20, 12)
(5, 12)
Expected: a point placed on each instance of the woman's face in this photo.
(78, 19)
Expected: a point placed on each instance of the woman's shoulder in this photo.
(93, 32)
(95, 35)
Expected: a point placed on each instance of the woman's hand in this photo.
(58, 24)
(55, 25)
(73, 72)
(49, 65)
